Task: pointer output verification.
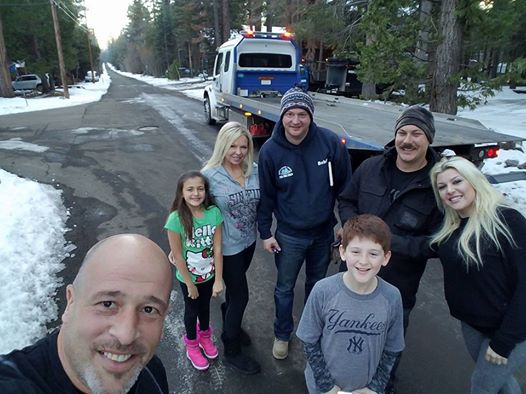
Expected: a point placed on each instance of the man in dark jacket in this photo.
(302, 169)
(110, 329)
(396, 187)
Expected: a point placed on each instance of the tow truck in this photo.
(253, 70)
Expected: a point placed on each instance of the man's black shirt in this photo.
(37, 369)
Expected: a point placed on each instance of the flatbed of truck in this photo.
(369, 125)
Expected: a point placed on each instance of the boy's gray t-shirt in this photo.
(353, 329)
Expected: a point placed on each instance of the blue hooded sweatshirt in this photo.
(295, 183)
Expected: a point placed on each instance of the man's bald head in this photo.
(135, 247)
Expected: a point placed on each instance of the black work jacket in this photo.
(412, 217)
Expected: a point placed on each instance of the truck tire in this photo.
(208, 112)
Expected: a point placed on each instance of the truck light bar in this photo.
(248, 34)
(259, 34)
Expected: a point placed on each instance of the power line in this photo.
(66, 10)
(70, 16)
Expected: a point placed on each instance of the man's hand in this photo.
(495, 358)
(271, 245)
(339, 233)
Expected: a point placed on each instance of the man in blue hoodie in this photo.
(302, 169)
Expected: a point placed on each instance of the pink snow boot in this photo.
(205, 342)
(193, 353)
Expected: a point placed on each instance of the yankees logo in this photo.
(355, 344)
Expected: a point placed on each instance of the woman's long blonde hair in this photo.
(230, 132)
(483, 224)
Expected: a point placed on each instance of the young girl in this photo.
(481, 245)
(194, 233)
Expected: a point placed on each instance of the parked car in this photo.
(27, 82)
(90, 78)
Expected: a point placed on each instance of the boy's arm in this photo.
(322, 377)
(383, 371)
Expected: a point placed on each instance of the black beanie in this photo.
(420, 117)
(296, 98)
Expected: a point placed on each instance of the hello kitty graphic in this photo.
(201, 264)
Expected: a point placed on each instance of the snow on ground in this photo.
(82, 93)
(504, 113)
(192, 87)
(32, 248)
(31, 258)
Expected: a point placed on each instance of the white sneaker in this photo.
(280, 350)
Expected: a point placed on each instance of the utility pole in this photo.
(59, 49)
(90, 54)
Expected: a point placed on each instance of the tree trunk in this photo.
(447, 64)
(369, 87)
(492, 72)
(226, 20)
(421, 50)
(268, 20)
(6, 90)
(190, 62)
(218, 37)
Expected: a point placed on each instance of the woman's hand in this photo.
(193, 293)
(217, 288)
(495, 358)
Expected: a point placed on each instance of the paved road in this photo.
(117, 161)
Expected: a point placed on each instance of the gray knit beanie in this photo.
(296, 98)
(420, 117)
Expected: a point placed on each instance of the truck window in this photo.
(265, 60)
(218, 63)
(227, 61)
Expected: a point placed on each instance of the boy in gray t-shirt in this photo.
(351, 326)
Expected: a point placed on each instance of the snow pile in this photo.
(32, 247)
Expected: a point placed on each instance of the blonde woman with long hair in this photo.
(481, 245)
(234, 184)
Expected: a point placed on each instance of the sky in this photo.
(31, 259)
(107, 18)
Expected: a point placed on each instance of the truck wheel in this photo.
(40, 88)
(208, 112)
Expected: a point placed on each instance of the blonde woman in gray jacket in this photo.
(234, 185)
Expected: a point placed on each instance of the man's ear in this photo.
(70, 299)
(342, 252)
(387, 256)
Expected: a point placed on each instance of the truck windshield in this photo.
(265, 60)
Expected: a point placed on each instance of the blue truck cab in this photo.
(256, 64)
(251, 65)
